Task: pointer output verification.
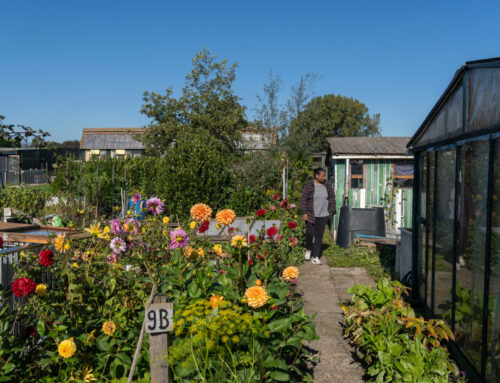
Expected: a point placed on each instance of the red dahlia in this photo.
(252, 238)
(46, 257)
(284, 203)
(261, 212)
(29, 332)
(272, 231)
(275, 197)
(292, 224)
(204, 226)
(23, 286)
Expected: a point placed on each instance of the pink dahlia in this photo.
(178, 239)
(116, 226)
(118, 245)
(155, 205)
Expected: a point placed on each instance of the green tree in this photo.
(207, 105)
(329, 116)
(12, 136)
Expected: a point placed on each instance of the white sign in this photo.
(159, 318)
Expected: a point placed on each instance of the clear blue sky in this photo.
(66, 65)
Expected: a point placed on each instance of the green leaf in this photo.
(102, 344)
(8, 367)
(279, 324)
(280, 376)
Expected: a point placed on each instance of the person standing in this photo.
(318, 206)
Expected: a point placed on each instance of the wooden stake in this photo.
(158, 351)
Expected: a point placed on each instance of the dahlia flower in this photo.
(116, 227)
(256, 296)
(215, 300)
(261, 212)
(46, 257)
(252, 238)
(136, 198)
(292, 224)
(23, 287)
(178, 239)
(238, 241)
(166, 220)
(192, 225)
(201, 212)
(67, 348)
(41, 290)
(112, 258)
(118, 245)
(272, 231)
(225, 217)
(155, 205)
(292, 241)
(291, 272)
(108, 328)
(204, 227)
(59, 242)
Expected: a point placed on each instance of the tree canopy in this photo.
(12, 135)
(329, 116)
(207, 105)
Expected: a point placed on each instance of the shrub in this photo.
(29, 200)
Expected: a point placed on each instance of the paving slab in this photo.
(323, 289)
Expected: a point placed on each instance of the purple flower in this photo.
(111, 258)
(118, 245)
(292, 206)
(136, 198)
(179, 239)
(155, 205)
(116, 227)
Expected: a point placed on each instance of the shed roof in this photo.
(110, 138)
(368, 145)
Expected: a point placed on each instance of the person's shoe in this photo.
(307, 255)
(316, 261)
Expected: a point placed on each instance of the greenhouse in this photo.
(456, 242)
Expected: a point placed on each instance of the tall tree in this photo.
(14, 136)
(207, 105)
(329, 116)
(269, 111)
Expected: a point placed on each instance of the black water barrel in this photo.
(352, 221)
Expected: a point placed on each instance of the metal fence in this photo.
(34, 176)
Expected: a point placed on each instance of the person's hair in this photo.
(317, 171)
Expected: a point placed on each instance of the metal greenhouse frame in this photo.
(456, 221)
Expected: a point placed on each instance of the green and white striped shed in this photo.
(365, 171)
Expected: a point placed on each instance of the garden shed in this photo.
(373, 172)
(456, 241)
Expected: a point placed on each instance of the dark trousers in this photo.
(315, 231)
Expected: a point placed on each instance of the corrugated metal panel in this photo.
(368, 145)
(111, 141)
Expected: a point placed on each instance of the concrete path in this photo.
(323, 288)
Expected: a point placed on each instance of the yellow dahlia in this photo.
(256, 296)
(67, 348)
(109, 328)
(201, 252)
(94, 230)
(59, 242)
(41, 290)
(238, 241)
(290, 272)
(215, 300)
(225, 217)
(201, 212)
(218, 248)
(192, 225)
(166, 220)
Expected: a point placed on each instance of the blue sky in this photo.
(66, 65)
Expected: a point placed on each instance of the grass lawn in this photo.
(379, 263)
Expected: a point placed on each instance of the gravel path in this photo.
(323, 287)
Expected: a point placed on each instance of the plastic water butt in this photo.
(352, 221)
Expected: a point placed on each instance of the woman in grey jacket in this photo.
(318, 206)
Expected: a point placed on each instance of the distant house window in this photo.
(403, 174)
(356, 174)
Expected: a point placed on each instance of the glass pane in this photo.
(421, 227)
(430, 211)
(445, 203)
(470, 262)
(493, 360)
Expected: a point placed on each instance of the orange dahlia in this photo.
(225, 217)
(256, 296)
(215, 300)
(291, 272)
(201, 212)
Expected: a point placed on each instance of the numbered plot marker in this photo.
(159, 318)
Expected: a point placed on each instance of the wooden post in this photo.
(157, 325)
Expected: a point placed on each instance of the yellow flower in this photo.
(41, 290)
(201, 252)
(238, 241)
(23, 254)
(94, 230)
(258, 282)
(75, 265)
(81, 211)
(201, 212)
(188, 250)
(166, 220)
(126, 227)
(257, 296)
(91, 336)
(164, 232)
(217, 226)
(225, 217)
(87, 375)
(67, 348)
(268, 191)
(215, 300)
(192, 225)
(106, 230)
(109, 328)
(67, 246)
(218, 248)
(59, 242)
(290, 272)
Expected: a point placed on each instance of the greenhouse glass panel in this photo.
(430, 231)
(493, 357)
(471, 250)
(484, 99)
(421, 227)
(445, 209)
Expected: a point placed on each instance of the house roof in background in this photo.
(368, 145)
(110, 138)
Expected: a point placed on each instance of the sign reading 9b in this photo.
(159, 318)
